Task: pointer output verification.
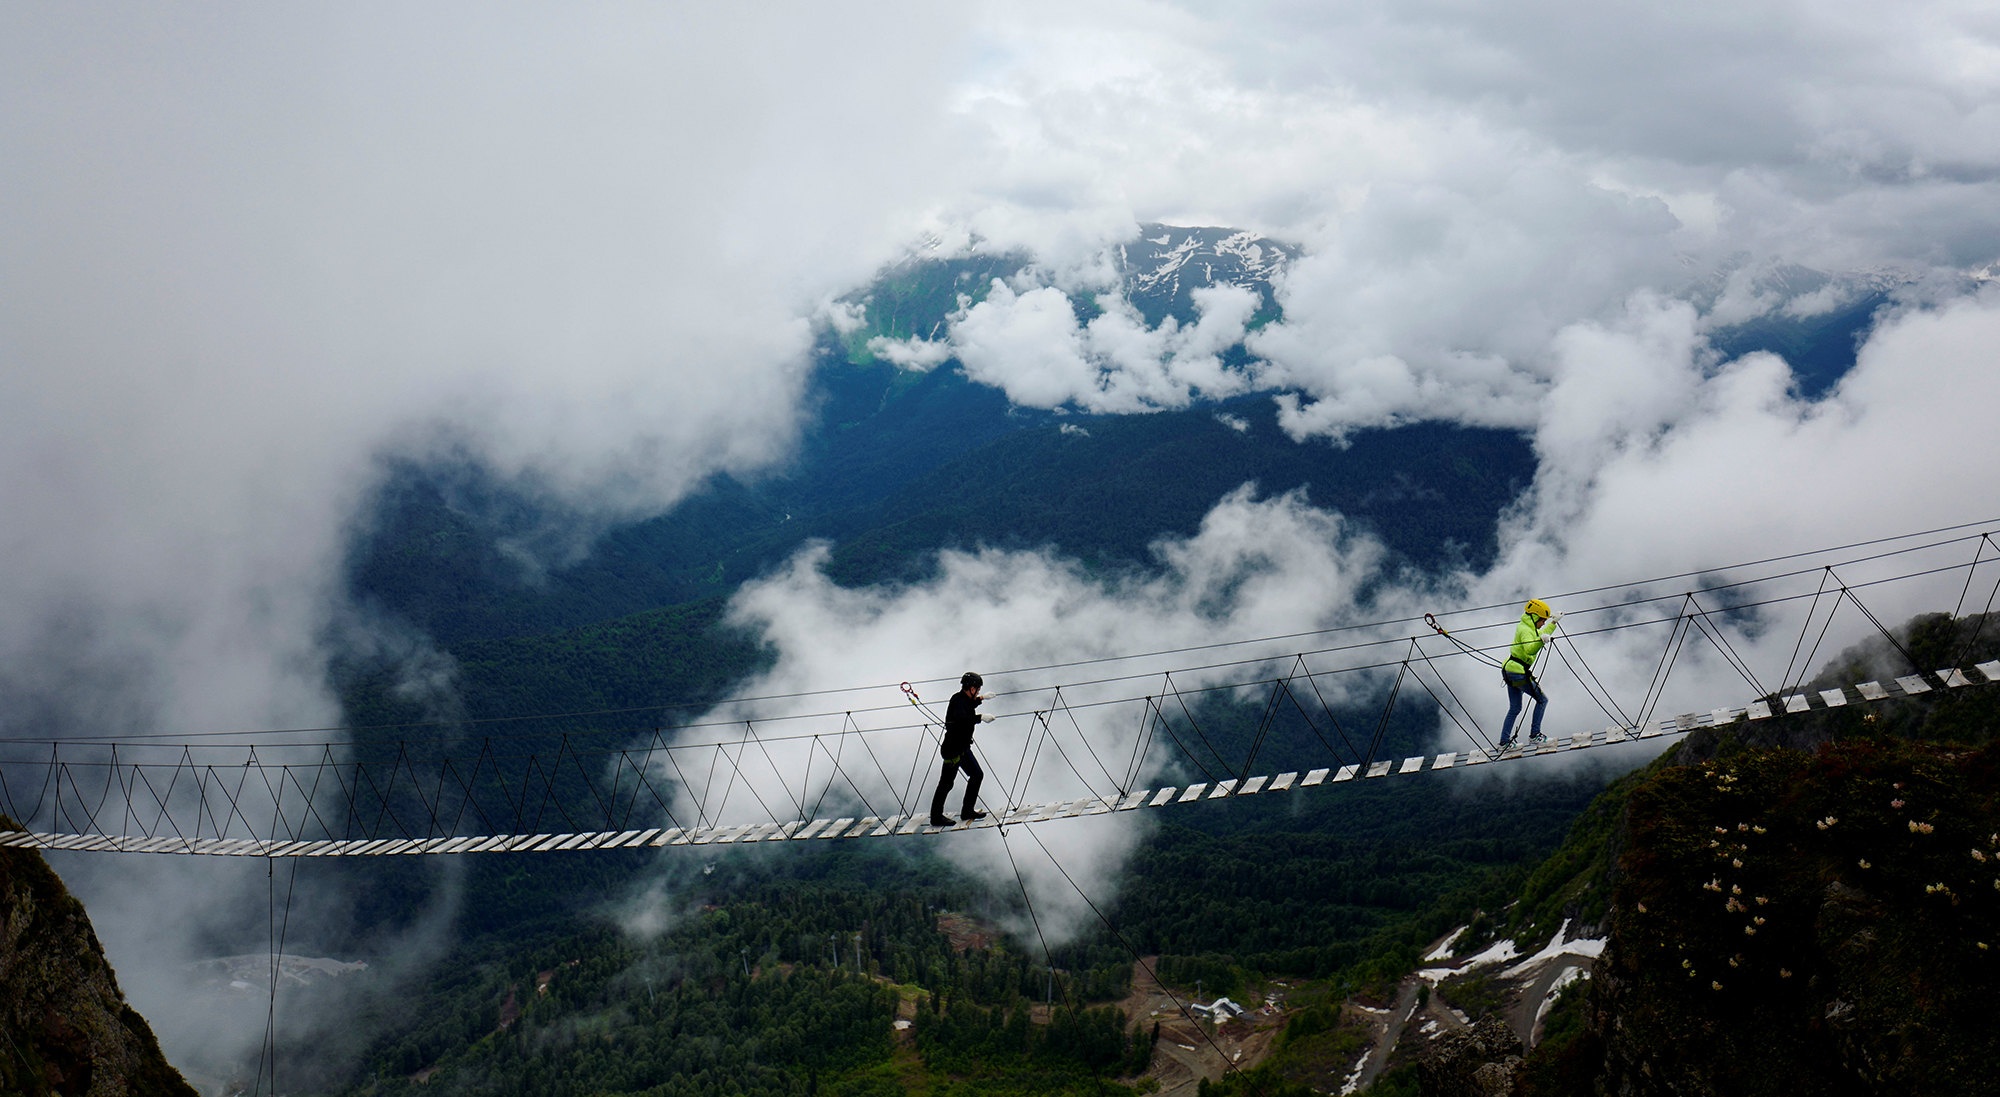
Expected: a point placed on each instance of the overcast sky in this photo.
(252, 251)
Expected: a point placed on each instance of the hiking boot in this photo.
(974, 816)
(943, 821)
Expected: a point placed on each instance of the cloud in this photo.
(256, 256)
(1255, 567)
(1467, 185)
(1033, 346)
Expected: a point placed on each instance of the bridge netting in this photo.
(1307, 711)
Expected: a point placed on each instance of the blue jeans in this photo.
(1519, 683)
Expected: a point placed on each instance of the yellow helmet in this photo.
(1538, 608)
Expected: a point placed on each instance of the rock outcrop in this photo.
(1480, 1061)
(66, 1026)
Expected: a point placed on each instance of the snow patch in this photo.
(1443, 950)
(1591, 947)
(1353, 1081)
(1499, 952)
(1556, 988)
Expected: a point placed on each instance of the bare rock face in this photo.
(67, 1026)
(1478, 1062)
(1792, 923)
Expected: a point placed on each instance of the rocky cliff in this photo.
(66, 1026)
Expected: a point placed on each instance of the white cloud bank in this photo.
(1466, 184)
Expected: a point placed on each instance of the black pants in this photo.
(973, 775)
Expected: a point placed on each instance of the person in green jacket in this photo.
(1536, 625)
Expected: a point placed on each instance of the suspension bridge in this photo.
(410, 797)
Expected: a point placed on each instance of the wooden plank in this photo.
(1760, 710)
(855, 829)
(1346, 773)
(1193, 792)
(1379, 769)
(1252, 787)
(1134, 799)
(1913, 684)
(1222, 788)
(1723, 716)
(1834, 698)
(1411, 765)
(1953, 678)
(575, 840)
(1872, 691)
(1797, 703)
(1162, 796)
(834, 828)
(1315, 777)
(1990, 670)
(1283, 781)
(1445, 760)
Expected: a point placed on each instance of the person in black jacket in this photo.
(960, 716)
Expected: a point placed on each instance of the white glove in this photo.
(1554, 618)
(985, 717)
